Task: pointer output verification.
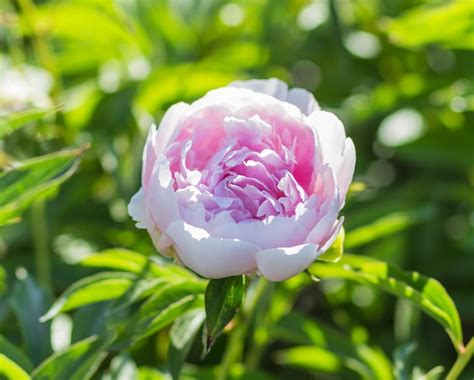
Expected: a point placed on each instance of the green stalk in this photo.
(260, 335)
(235, 345)
(463, 359)
(40, 240)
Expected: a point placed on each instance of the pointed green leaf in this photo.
(15, 354)
(29, 303)
(426, 293)
(33, 178)
(386, 225)
(99, 287)
(77, 362)
(311, 358)
(222, 299)
(9, 370)
(316, 337)
(16, 120)
(161, 309)
(420, 26)
(130, 261)
(182, 335)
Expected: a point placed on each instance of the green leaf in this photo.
(386, 225)
(34, 178)
(16, 120)
(420, 26)
(316, 337)
(83, 326)
(449, 149)
(3, 281)
(222, 299)
(168, 303)
(426, 293)
(9, 370)
(182, 335)
(77, 362)
(98, 287)
(433, 374)
(29, 303)
(130, 261)
(15, 354)
(311, 358)
(148, 373)
(335, 251)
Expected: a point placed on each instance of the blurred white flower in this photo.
(23, 86)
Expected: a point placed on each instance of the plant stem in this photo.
(40, 239)
(260, 335)
(235, 345)
(463, 359)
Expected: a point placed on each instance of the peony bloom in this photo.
(249, 178)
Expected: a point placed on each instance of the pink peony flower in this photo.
(249, 178)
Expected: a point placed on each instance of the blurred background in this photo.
(398, 73)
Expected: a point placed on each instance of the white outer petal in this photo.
(211, 257)
(278, 264)
(299, 97)
(333, 236)
(346, 171)
(168, 126)
(337, 150)
(302, 99)
(280, 231)
(160, 198)
(136, 209)
(273, 87)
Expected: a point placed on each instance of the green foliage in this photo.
(77, 362)
(339, 351)
(15, 354)
(99, 72)
(9, 370)
(17, 120)
(32, 178)
(100, 287)
(456, 17)
(3, 285)
(222, 299)
(182, 335)
(426, 293)
(29, 303)
(386, 225)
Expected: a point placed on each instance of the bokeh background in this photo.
(398, 73)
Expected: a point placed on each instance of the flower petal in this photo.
(278, 264)
(333, 236)
(337, 150)
(273, 87)
(211, 257)
(160, 197)
(136, 209)
(299, 97)
(302, 99)
(168, 126)
(346, 171)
